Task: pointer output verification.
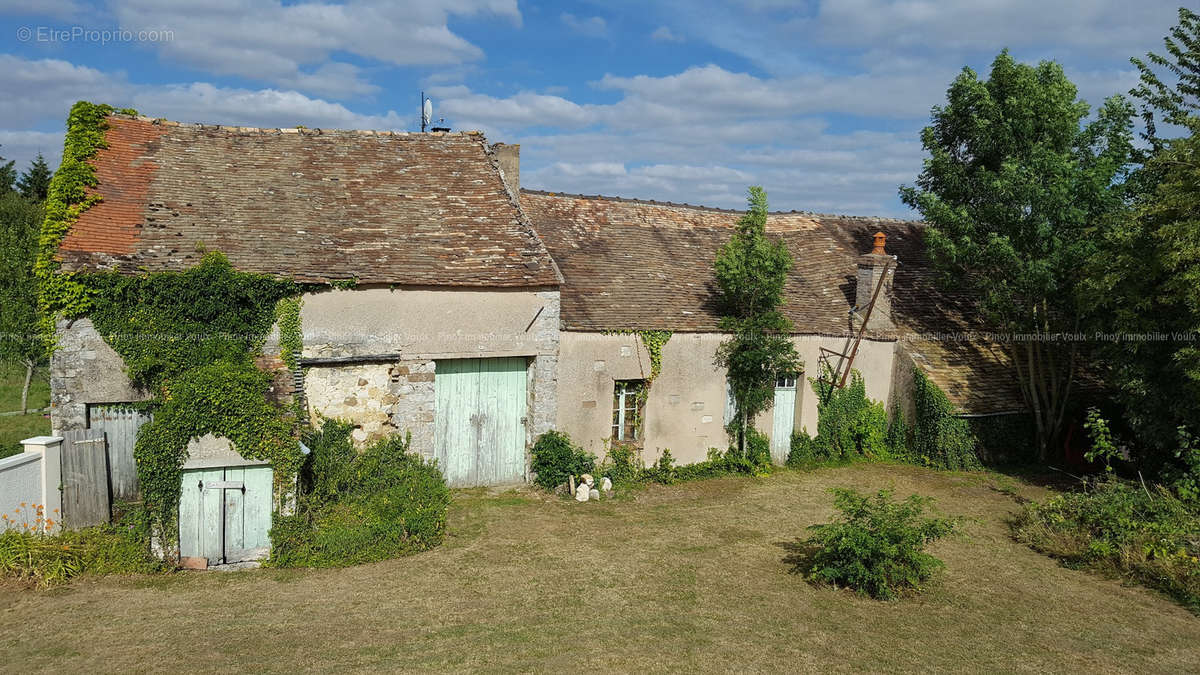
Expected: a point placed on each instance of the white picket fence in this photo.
(32, 478)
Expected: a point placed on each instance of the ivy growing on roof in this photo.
(67, 199)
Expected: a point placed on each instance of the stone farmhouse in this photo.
(475, 315)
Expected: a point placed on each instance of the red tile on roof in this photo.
(380, 207)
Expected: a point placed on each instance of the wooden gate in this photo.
(85, 495)
(225, 513)
(120, 425)
(479, 432)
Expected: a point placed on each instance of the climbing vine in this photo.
(68, 198)
(190, 338)
(654, 340)
(939, 436)
(291, 339)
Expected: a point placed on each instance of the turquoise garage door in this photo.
(479, 428)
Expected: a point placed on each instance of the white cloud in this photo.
(40, 89)
(22, 146)
(273, 42)
(664, 34)
(594, 26)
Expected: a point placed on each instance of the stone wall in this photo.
(381, 398)
(83, 370)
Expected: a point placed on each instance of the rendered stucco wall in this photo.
(686, 405)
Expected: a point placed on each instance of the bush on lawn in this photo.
(1121, 528)
(877, 546)
(360, 507)
(555, 459)
(44, 559)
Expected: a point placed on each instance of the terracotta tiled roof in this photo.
(630, 264)
(314, 205)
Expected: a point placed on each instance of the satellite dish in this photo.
(426, 113)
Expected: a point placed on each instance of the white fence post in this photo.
(50, 448)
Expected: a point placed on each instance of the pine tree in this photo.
(8, 176)
(35, 182)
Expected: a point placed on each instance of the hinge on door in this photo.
(524, 419)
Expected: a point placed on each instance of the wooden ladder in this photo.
(838, 374)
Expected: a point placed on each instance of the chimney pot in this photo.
(880, 240)
(874, 268)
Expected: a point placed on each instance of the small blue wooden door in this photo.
(225, 513)
(784, 422)
(479, 433)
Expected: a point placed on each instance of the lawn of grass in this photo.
(672, 578)
(14, 428)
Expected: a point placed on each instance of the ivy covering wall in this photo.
(190, 338)
(939, 436)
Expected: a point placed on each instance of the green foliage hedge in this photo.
(555, 459)
(1121, 528)
(360, 507)
(877, 545)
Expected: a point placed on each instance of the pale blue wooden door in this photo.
(784, 422)
(479, 432)
(200, 515)
(248, 513)
(225, 513)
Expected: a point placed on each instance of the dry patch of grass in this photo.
(684, 577)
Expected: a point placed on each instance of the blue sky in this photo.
(821, 102)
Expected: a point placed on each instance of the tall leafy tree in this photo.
(1147, 279)
(1013, 188)
(20, 341)
(751, 270)
(34, 184)
(8, 176)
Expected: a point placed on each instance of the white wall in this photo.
(20, 481)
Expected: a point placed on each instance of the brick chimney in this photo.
(509, 157)
(871, 267)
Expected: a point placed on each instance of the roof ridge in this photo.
(715, 209)
(313, 131)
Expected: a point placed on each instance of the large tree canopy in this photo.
(1014, 186)
(1146, 281)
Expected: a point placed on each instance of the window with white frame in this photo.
(628, 406)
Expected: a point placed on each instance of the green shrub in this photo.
(325, 473)
(849, 424)
(1122, 528)
(381, 503)
(555, 459)
(49, 559)
(663, 471)
(877, 546)
(622, 464)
